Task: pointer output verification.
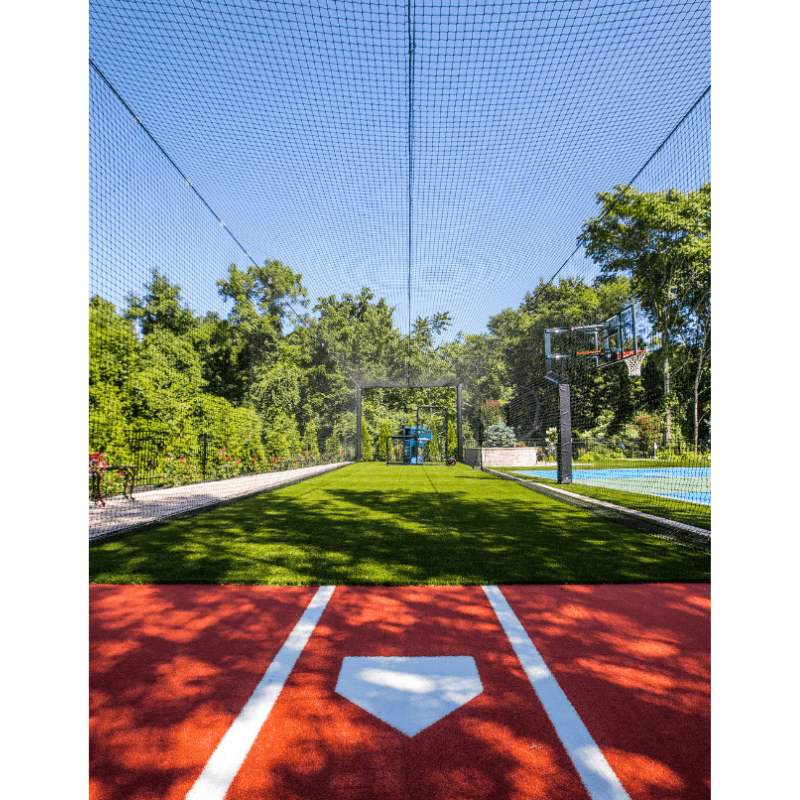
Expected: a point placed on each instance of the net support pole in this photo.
(459, 420)
(564, 455)
(358, 423)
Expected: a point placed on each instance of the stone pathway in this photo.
(121, 514)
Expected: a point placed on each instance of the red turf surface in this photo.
(172, 666)
(635, 662)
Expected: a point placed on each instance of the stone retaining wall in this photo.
(509, 456)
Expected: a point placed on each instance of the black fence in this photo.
(164, 460)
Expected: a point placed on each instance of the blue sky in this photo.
(292, 120)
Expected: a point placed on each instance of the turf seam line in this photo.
(538, 487)
(229, 755)
(599, 779)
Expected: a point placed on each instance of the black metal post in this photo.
(205, 453)
(459, 422)
(358, 423)
(564, 455)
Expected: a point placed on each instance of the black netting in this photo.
(294, 201)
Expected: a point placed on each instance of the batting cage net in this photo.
(311, 220)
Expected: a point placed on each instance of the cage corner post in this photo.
(459, 420)
(564, 455)
(358, 423)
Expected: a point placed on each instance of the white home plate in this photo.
(409, 693)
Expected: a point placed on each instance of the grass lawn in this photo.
(369, 524)
(671, 508)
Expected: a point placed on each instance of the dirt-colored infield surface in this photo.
(397, 692)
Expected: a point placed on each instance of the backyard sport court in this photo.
(338, 253)
(568, 692)
(690, 484)
(550, 689)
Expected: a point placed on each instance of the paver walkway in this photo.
(120, 514)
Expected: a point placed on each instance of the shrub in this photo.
(366, 445)
(500, 435)
(179, 472)
(383, 438)
(452, 438)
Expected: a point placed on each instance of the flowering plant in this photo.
(97, 460)
(179, 472)
(112, 483)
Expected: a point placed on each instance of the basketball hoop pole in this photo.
(602, 344)
(564, 445)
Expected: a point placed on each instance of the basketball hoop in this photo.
(634, 363)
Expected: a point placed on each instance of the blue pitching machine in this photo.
(415, 437)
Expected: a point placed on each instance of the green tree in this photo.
(248, 344)
(310, 436)
(500, 435)
(281, 436)
(224, 357)
(114, 353)
(649, 429)
(167, 382)
(452, 439)
(383, 438)
(366, 443)
(265, 292)
(160, 309)
(662, 240)
(518, 342)
(277, 384)
(357, 333)
(432, 452)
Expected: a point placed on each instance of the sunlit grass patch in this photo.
(368, 524)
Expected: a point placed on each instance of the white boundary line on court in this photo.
(595, 772)
(218, 774)
(546, 487)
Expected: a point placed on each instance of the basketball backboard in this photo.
(604, 343)
(619, 338)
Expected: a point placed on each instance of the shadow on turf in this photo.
(345, 535)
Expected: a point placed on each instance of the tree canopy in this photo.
(272, 377)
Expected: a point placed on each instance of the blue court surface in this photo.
(690, 484)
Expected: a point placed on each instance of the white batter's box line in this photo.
(599, 779)
(226, 761)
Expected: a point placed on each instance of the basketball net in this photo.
(634, 363)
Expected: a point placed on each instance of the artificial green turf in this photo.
(369, 524)
(670, 508)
